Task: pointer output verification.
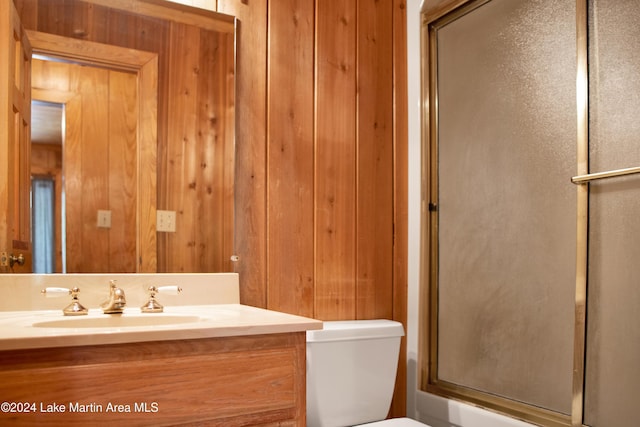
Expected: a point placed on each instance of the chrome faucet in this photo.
(116, 302)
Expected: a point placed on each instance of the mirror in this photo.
(193, 173)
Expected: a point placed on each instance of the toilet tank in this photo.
(351, 371)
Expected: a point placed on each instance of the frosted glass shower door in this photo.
(612, 380)
(506, 208)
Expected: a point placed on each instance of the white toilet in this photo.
(351, 372)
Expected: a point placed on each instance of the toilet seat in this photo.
(396, 422)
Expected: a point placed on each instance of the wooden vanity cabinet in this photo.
(229, 381)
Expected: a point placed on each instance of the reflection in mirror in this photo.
(46, 186)
(86, 155)
(90, 151)
(192, 172)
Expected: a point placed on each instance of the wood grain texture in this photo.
(15, 147)
(251, 117)
(196, 163)
(155, 8)
(181, 183)
(94, 170)
(210, 155)
(336, 133)
(85, 51)
(123, 158)
(146, 183)
(375, 160)
(219, 382)
(290, 162)
(73, 183)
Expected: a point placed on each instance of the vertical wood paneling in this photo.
(54, 18)
(335, 296)
(211, 159)
(95, 170)
(375, 160)
(94, 23)
(181, 178)
(250, 186)
(147, 188)
(28, 11)
(196, 162)
(123, 161)
(210, 143)
(73, 182)
(290, 166)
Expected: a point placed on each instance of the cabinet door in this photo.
(15, 143)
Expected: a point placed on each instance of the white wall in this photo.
(428, 408)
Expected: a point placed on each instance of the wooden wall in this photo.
(196, 169)
(317, 167)
(321, 183)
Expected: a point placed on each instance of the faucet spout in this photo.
(116, 302)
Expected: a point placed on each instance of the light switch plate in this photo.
(166, 221)
(104, 219)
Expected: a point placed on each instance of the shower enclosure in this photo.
(532, 211)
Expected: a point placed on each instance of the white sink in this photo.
(28, 329)
(118, 321)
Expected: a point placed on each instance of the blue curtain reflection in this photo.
(43, 224)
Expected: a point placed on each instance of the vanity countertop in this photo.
(49, 328)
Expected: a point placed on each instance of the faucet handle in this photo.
(55, 292)
(169, 290)
(153, 306)
(73, 309)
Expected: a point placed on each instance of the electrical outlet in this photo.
(166, 221)
(104, 219)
